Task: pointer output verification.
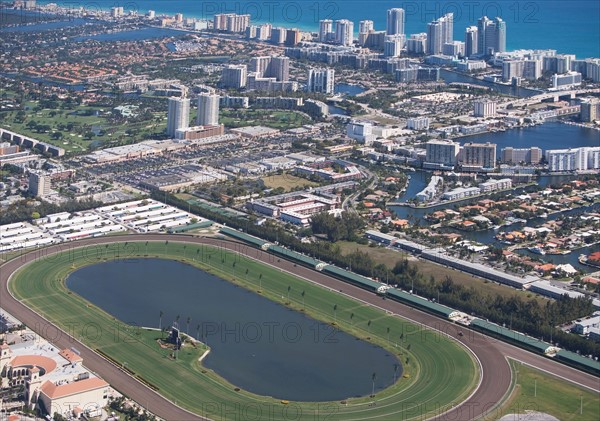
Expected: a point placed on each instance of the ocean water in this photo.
(568, 26)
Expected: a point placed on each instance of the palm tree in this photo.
(335, 313)
(303, 307)
(373, 377)
(166, 244)
(189, 319)
(395, 371)
(177, 320)
(160, 314)
(184, 251)
(388, 333)
(369, 326)
(146, 252)
(198, 332)
(352, 318)
(197, 254)
(288, 293)
(260, 281)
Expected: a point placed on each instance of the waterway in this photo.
(419, 180)
(550, 135)
(347, 89)
(134, 35)
(450, 76)
(256, 344)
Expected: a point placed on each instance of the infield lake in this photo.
(256, 344)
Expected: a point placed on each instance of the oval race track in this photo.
(496, 373)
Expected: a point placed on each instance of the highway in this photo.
(491, 353)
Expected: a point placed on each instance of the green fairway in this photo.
(437, 372)
(538, 391)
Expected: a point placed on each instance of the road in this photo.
(491, 353)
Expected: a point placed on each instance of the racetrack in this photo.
(496, 374)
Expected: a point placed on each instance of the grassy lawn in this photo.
(541, 392)
(436, 370)
(287, 181)
(389, 257)
(282, 120)
(73, 139)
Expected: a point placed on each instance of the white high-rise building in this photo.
(576, 159)
(417, 43)
(151, 14)
(39, 185)
(321, 80)
(393, 45)
(418, 123)
(208, 110)
(325, 29)
(484, 108)
(439, 32)
(344, 32)
(395, 22)
(178, 116)
(364, 26)
(234, 76)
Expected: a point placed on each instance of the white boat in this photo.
(537, 250)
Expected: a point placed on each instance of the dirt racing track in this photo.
(491, 353)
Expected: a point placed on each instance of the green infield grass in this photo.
(437, 372)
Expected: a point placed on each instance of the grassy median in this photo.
(438, 373)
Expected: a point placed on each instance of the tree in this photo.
(160, 314)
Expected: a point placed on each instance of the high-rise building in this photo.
(512, 155)
(178, 116)
(234, 76)
(484, 108)
(269, 66)
(325, 30)
(454, 49)
(116, 12)
(590, 110)
(471, 38)
(491, 36)
(567, 80)
(231, 22)
(441, 152)
(418, 123)
(344, 32)
(479, 155)
(364, 28)
(395, 22)
(151, 14)
(263, 32)
(417, 43)
(39, 185)
(208, 110)
(577, 159)
(512, 69)
(393, 45)
(278, 35)
(293, 37)
(532, 69)
(439, 32)
(321, 80)
(279, 69)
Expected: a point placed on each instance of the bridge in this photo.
(31, 143)
(555, 96)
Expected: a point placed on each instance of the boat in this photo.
(537, 250)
